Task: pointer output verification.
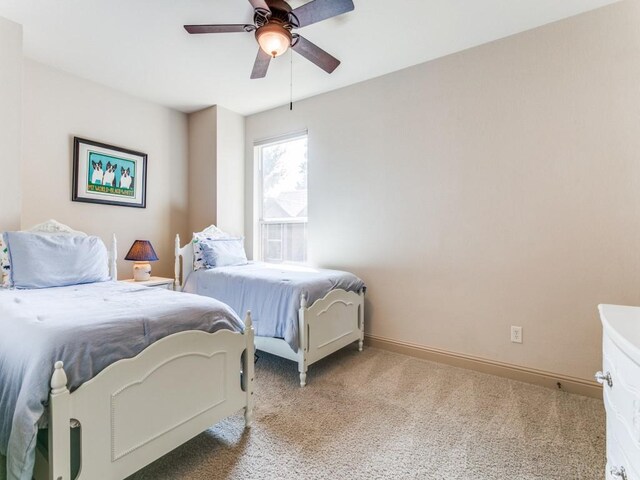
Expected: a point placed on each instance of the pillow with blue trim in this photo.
(210, 233)
(50, 227)
(56, 260)
(5, 264)
(224, 252)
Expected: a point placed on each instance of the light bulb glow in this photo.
(273, 39)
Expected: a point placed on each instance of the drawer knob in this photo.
(601, 378)
(619, 472)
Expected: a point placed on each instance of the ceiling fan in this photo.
(273, 22)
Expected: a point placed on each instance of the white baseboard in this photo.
(524, 374)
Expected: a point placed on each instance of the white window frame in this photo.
(259, 222)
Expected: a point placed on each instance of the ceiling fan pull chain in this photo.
(291, 80)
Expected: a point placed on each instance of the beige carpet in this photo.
(381, 415)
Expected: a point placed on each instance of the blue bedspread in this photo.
(271, 292)
(88, 327)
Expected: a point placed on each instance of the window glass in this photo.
(283, 200)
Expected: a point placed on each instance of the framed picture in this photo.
(109, 175)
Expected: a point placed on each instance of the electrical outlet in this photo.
(516, 334)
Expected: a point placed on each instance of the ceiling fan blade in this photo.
(261, 64)
(315, 54)
(262, 4)
(218, 28)
(318, 10)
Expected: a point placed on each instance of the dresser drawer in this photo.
(621, 383)
(626, 367)
(622, 401)
(618, 459)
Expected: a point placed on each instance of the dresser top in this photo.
(622, 325)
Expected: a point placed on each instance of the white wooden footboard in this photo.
(139, 409)
(328, 325)
(331, 323)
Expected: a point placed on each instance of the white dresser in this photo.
(621, 380)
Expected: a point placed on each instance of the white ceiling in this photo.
(140, 47)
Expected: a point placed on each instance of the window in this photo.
(282, 200)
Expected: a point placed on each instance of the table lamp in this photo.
(141, 253)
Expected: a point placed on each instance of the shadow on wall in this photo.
(368, 311)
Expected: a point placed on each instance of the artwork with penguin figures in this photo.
(106, 174)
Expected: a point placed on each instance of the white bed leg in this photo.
(248, 369)
(361, 321)
(303, 334)
(59, 437)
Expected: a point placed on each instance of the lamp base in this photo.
(141, 271)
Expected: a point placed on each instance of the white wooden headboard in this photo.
(53, 226)
(184, 268)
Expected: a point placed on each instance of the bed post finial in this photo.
(113, 259)
(176, 268)
(303, 300)
(58, 379)
(59, 417)
(248, 368)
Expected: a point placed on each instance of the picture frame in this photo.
(108, 175)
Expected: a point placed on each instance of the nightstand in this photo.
(160, 282)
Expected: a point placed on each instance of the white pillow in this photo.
(210, 233)
(224, 252)
(48, 227)
(56, 260)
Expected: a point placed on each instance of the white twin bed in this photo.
(122, 374)
(136, 409)
(325, 315)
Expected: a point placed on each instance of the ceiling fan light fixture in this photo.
(273, 24)
(274, 39)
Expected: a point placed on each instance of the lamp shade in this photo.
(142, 251)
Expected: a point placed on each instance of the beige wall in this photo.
(202, 168)
(58, 106)
(230, 175)
(499, 186)
(10, 122)
(216, 170)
